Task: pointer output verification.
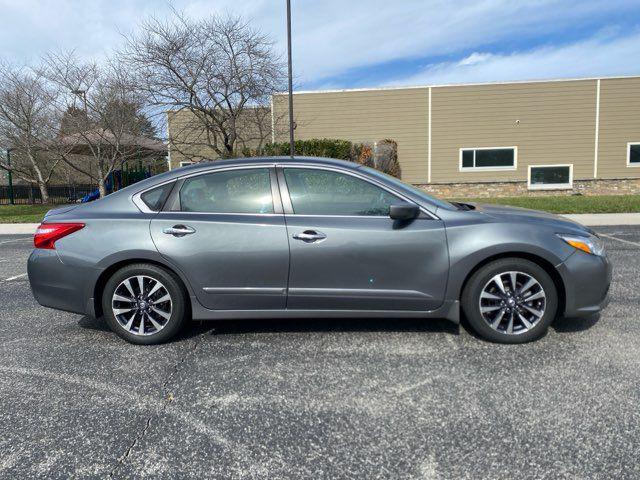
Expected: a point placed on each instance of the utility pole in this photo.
(291, 124)
(10, 176)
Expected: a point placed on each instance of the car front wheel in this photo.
(144, 304)
(511, 300)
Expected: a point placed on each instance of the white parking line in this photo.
(14, 278)
(620, 239)
(15, 240)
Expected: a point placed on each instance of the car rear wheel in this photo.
(510, 300)
(144, 304)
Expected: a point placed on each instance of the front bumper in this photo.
(57, 285)
(587, 279)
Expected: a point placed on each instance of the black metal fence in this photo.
(58, 194)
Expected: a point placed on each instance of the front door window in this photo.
(325, 192)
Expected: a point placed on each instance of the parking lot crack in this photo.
(167, 399)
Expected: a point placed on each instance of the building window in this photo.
(633, 154)
(550, 177)
(494, 158)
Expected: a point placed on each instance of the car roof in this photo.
(280, 160)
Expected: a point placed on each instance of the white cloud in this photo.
(334, 36)
(474, 59)
(331, 37)
(92, 27)
(598, 56)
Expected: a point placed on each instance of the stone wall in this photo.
(627, 186)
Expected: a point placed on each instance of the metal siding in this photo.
(619, 124)
(557, 126)
(368, 116)
(188, 140)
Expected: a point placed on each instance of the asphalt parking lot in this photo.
(319, 398)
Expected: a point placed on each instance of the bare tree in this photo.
(28, 124)
(256, 129)
(109, 127)
(220, 70)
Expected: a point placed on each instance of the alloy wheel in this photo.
(512, 302)
(141, 305)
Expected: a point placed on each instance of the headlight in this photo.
(590, 244)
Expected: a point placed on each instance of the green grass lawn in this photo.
(24, 213)
(569, 204)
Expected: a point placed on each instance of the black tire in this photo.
(173, 286)
(470, 300)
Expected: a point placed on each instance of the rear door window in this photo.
(246, 190)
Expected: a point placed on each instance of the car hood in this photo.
(525, 215)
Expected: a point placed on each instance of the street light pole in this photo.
(10, 176)
(291, 124)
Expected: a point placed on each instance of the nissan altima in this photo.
(309, 238)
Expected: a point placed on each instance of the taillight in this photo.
(48, 234)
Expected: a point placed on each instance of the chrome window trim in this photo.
(335, 216)
(359, 176)
(214, 169)
(180, 212)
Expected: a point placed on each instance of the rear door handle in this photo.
(179, 230)
(309, 236)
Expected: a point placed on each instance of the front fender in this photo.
(470, 245)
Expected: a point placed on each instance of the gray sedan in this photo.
(310, 237)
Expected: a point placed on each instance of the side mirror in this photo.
(404, 211)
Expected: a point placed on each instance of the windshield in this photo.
(409, 188)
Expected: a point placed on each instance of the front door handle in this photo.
(309, 236)
(179, 230)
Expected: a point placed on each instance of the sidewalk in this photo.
(602, 219)
(18, 228)
(589, 219)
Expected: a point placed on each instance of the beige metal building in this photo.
(191, 141)
(537, 137)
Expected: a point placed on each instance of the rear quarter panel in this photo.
(115, 231)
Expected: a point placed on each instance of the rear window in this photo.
(155, 198)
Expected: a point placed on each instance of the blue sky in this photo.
(360, 43)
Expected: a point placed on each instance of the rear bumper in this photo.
(57, 285)
(587, 279)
